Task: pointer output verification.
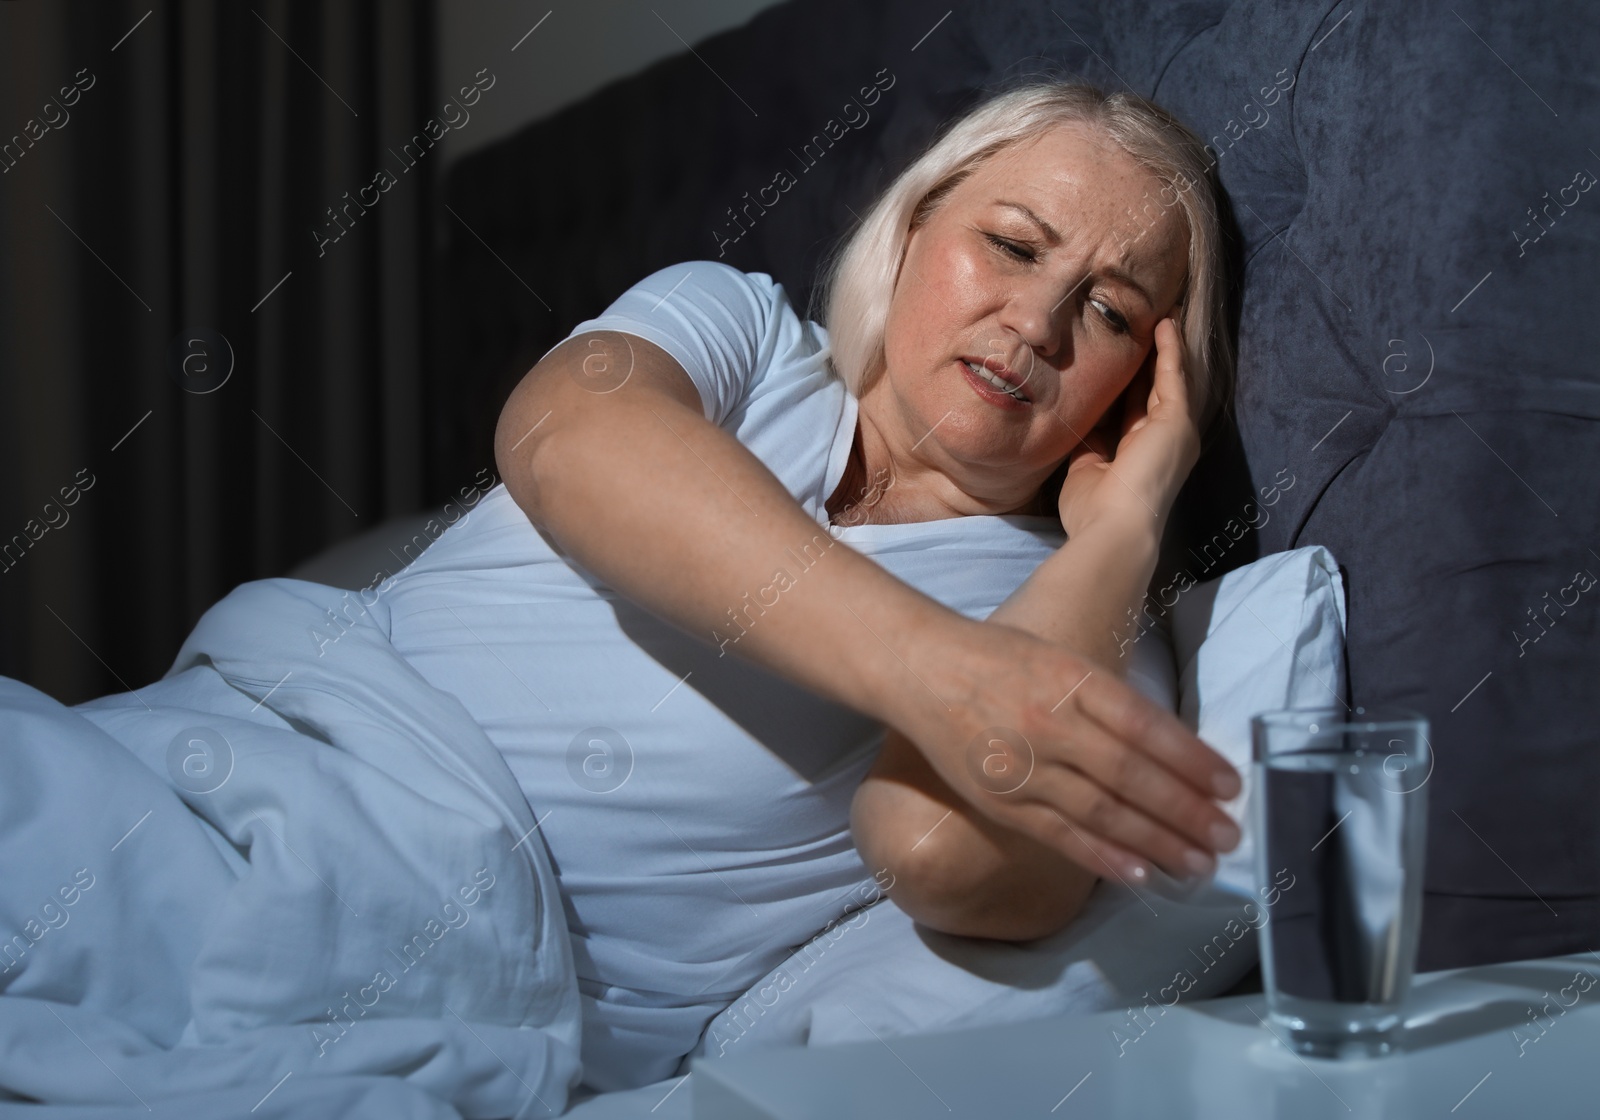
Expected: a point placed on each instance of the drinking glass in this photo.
(1341, 821)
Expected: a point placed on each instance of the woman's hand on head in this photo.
(1150, 447)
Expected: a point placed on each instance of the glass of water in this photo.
(1341, 820)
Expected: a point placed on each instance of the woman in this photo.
(1012, 316)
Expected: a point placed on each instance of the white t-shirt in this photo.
(695, 806)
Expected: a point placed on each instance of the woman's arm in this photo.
(637, 486)
(955, 869)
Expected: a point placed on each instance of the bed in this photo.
(1270, 634)
(1401, 485)
(294, 876)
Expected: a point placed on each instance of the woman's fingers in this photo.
(1103, 775)
(1136, 405)
(1132, 719)
(1171, 386)
(1089, 850)
(1122, 795)
(1144, 793)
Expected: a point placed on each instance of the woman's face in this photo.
(1049, 262)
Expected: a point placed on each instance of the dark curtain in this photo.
(186, 191)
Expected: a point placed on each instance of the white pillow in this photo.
(1266, 636)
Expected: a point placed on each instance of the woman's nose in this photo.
(1038, 314)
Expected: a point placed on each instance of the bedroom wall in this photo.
(575, 50)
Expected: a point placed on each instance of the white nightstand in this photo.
(1495, 1041)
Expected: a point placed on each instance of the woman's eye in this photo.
(1112, 316)
(1015, 250)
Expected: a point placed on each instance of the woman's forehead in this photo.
(1075, 157)
(1054, 181)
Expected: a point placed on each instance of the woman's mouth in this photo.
(994, 388)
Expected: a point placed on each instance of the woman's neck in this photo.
(871, 492)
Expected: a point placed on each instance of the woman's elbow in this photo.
(938, 891)
(1036, 915)
(513, 450)
(1007, 909)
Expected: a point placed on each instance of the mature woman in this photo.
(1022, 338)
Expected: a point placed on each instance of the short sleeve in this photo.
(713, 318)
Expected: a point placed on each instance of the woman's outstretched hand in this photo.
(1041, 741)
(1150, 448)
